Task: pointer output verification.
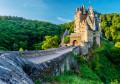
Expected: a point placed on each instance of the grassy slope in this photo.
(100, 69)
(87, 73)
(71, 80)
(105, 69)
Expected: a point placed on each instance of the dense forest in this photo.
(111, 27)
(18, 32)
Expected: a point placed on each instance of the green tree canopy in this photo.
(67, 39)
(38, 46)
(117, 45)
(108, 34)
(50, 42)
(17, 32)
(21, 49)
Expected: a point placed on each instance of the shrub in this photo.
(21, 49)
(67, 39)
(3, 49)
(117, 45)
(80, 59)
(114, 55)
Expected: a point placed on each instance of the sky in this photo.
(54, 11)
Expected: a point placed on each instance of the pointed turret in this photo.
(90, 10)
(90, 7)
(66, 33)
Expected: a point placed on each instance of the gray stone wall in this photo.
(16, 70)
(84, 48)
(76, 50)
(31, 54)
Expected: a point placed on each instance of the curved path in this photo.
(41, 59)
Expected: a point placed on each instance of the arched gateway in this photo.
(75, 43)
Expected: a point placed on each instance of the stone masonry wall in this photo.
(16, 70)
(31, 54)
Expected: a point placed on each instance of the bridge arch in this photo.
(75, 43)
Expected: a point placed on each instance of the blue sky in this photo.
(54, 11)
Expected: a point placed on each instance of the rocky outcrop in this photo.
(14, 70)
(11, 70)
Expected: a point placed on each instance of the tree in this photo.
(3, 48)
(117, 45)
(38, 46)
(50, 42)
(67, 39)
(108, 34)
(17, 32)
(21, 49)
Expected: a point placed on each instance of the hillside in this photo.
(17, 32)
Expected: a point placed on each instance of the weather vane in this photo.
(90, 2)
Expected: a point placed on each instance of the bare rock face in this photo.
(11, 70)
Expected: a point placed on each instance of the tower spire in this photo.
(90, 2)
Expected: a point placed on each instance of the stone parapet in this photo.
(31, 54)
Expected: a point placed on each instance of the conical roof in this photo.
(90, 7)
(66, 33)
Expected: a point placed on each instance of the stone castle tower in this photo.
(87, 29)
(63, 37)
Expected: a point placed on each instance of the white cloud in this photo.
(64, 20)
(35, 3)
(7, 11)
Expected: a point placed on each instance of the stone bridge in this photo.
(20, 67)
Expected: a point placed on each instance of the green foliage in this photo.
(95, 65)
(21, 49)
(80, 59)
(67, 39)
(117, 45)
(69, 26)
(26, 50)
(38, 46)
(111, 26)
(3, 49)
(114, 55)
(69, 73)
(102, 66)
(108, 35)
(17, 32)
(87, 73)
(71, 80)
(37, 82)
(50, 42)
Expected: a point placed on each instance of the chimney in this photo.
(84, 10)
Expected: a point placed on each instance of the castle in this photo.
(87, 29)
